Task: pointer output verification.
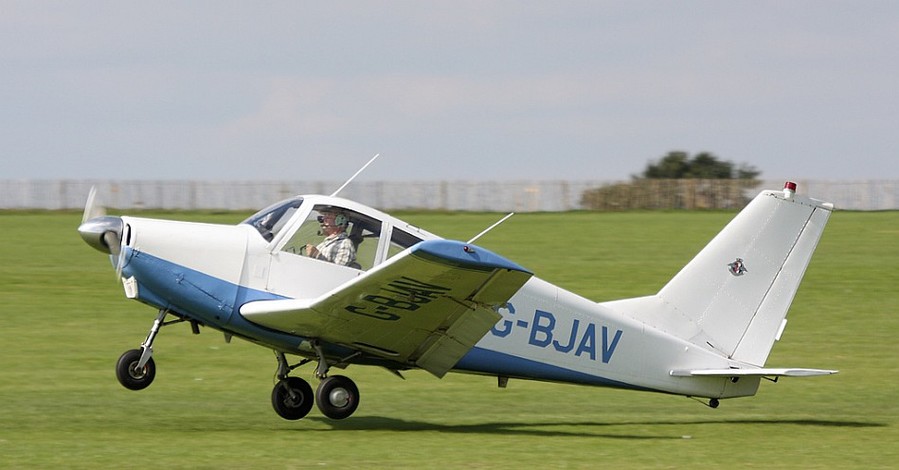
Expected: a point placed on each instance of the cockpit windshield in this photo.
(271, 220)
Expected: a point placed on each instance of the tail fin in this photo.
(734, 295)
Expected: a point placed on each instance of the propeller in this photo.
(91, 209)
(104, 233)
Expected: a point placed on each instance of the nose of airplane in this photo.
(103, 233)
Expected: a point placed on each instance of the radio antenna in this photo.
(510, 214)
(355, 174)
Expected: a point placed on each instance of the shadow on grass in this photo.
(548, 429)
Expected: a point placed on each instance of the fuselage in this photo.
(205, 272)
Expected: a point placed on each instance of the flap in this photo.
(425, 307)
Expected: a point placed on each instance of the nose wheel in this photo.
(131, 374)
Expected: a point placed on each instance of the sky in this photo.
(455, 90)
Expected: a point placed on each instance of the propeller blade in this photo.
(91, 209)
(120, 262)
(116, 250)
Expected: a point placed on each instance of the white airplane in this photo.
(408, 299)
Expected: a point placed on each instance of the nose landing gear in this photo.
(136, 368)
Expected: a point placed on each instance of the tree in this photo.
(678, 181)
(679, 165)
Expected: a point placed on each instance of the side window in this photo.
(337, 235)
(364, 232)
(399, 241)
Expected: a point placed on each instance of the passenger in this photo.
(337, 247)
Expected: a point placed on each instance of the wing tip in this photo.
(465, 255)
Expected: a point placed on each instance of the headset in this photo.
(340, 220)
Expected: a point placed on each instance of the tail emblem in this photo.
(737, 268)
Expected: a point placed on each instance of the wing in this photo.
(425, 307)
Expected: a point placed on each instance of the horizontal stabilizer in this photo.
(752, 372)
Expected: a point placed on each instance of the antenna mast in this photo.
(355, 174)
(510, 214)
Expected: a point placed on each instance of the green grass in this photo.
(65, 321)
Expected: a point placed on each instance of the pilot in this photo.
(337, 247)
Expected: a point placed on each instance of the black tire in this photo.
(337, 397)
(292, 398)
(129, 376)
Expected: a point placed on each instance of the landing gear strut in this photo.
(337, 396)
(136, 368)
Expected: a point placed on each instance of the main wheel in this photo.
(292, 398)
(129, 375)
(337, 397)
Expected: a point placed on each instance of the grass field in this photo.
(65, 321)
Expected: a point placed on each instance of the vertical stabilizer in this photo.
(734, 295)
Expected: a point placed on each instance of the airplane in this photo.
(410, 299)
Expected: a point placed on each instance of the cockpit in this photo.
(294, 225)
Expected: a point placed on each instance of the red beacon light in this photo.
(789, 189)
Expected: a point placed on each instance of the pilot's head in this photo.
(332, 222)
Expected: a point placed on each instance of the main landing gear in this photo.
(337, 396)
